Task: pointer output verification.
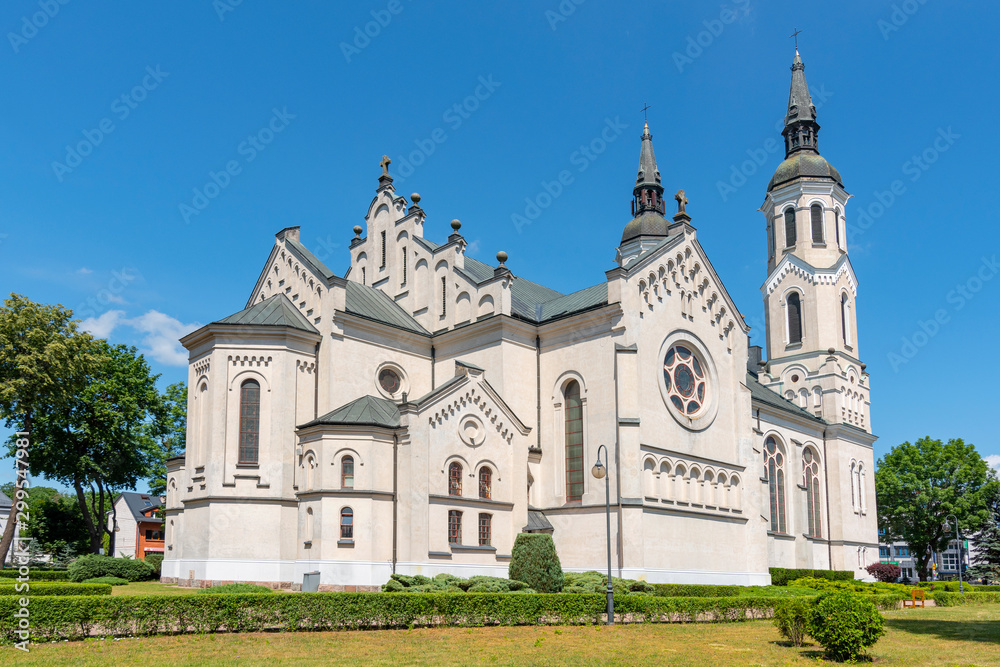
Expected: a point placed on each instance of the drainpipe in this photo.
(433, 356)
(395, 496)
(538, 391)
(618, 472)
(316, 385)
(829, 527)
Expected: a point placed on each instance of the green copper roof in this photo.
(276, 311)
(804, 164)
(374, 304)
(365, 411)
(759, 392)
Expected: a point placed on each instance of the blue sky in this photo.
(121, 121)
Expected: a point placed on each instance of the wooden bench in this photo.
(915, 594)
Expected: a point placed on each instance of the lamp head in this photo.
(600, 470)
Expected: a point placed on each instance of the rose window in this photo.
(389, 380)
(685, 380)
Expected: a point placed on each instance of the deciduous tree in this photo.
(918, 485)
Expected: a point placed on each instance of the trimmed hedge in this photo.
(235, 589)
(111, 581)
(947, 599)
(66, 618)
(35, 575)
(696, 590)
(781, 576)
(54, 588)
(92, 565)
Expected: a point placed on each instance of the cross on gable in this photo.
(385, 165)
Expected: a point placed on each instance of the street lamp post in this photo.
(958, 545)
(601, 470)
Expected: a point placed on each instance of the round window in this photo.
(685, 380)
(389, 380)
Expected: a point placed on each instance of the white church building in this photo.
(417, 413)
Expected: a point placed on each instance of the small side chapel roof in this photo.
(275, 311)
(759, 392)
(365, 411)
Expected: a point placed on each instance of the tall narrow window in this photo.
(249, 421)
(404, 266)
(454, 527)
(383, 250)
(774, 471)
(855, 504)
(789, 227)
(836, 225)
(816, 212)
(485, 529)
(455, 479)
(363, 276)
(845, 319)
(574, 442)
(770, 240)
(485, 482)
(444, 296)
(347, 524)
(347, 472)
(810, 470)
(794, 318)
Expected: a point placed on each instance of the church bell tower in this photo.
(811, 289)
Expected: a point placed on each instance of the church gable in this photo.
(790, 265)
(678, 275)
(294, 272)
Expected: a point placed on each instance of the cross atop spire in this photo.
(795, 36)
(648, 192)
(644, 119)
(801, 128)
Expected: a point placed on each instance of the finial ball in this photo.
(415, 197)
(501, 257)
(357, 230)
(456, 224)
(831, 350)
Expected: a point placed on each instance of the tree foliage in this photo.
(985, 560)
(44, 361)
(54, 521)
(884, 572)
(920, 484)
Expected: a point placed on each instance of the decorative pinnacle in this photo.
(456, 225)
(501, 257)
(415, 198)
(357, 231)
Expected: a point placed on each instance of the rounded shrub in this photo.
(236, 589)
(93, 565)
(845, 624)
(154, 561)
(535, 562)
(113, 581)
(791, 617)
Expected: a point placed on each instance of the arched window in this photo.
(347, 524)
(485, 529)
(845, 308)
(310, 471)
(201, 446)
(816, 214)
(770, 241)
(836, 225)
(789, 227)
(249, 421)
(862, 499)
(455, 479)
(855, 504)
(810, 470)
(347, 472)
(774, 472)
(648, 479)
(794, 318)
(485, 482)
(574, 442)
(454, 527)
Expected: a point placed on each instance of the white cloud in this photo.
(84, 270)
(102, 326)
(993, 461)
(161, 333)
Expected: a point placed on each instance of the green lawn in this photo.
(150, 588)
(933, 636)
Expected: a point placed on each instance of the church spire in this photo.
(648, 193)
(801, 129)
